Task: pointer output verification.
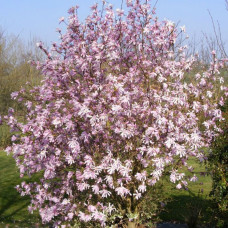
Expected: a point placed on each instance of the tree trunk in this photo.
(131, 225)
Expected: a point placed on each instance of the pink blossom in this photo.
(179, 186)
(61, 19)
(84, 217)
(137, 195)
(104, 193)
(122, 191)
(194, 178)
(142, 188)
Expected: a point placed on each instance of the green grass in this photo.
(192, 205)
(13, 207)
(5, 135)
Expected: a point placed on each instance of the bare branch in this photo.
(218, 36)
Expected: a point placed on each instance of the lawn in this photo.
(189, 206)
(13, 207)
(183, 206)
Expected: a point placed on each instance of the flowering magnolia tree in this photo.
(112, 116)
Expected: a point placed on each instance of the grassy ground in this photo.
(189, 206)
(5, 135)
(183, 206)
(13, 207)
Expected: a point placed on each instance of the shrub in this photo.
(112, 116)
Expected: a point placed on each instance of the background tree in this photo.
(112, 116)
(15, 72)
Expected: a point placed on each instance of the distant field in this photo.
(182, 206)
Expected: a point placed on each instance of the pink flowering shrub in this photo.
(112, 116)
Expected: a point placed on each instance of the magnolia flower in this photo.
(213, 52)
(14, 95)
(137, 195)
(105, 193)
(49, 173)
(179, 186)
(84, 111)
(116, 108)
(157, 174)
(82, 186)
(141, 176)
(61, 19)
(110, 208)
(209, 94)
(95, 189)
(146, 30)
(84, 217)
(120, 12)
(202, 82)
(207, 124)
(65, 201)
(39, 44)
(159, 162)
(70, 215)
(57, 122)
(70, 159)
(169, 142)
(129, 2)
(91, 208)
(98, 216)
(170, 25)
(194, 178)
(74, 145)
(43, 154)
(13, 138)
(183, 29)
(195, 137)
(142, 188)
(176, 176)
(122, 191)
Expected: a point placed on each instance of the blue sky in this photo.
(33, 18)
